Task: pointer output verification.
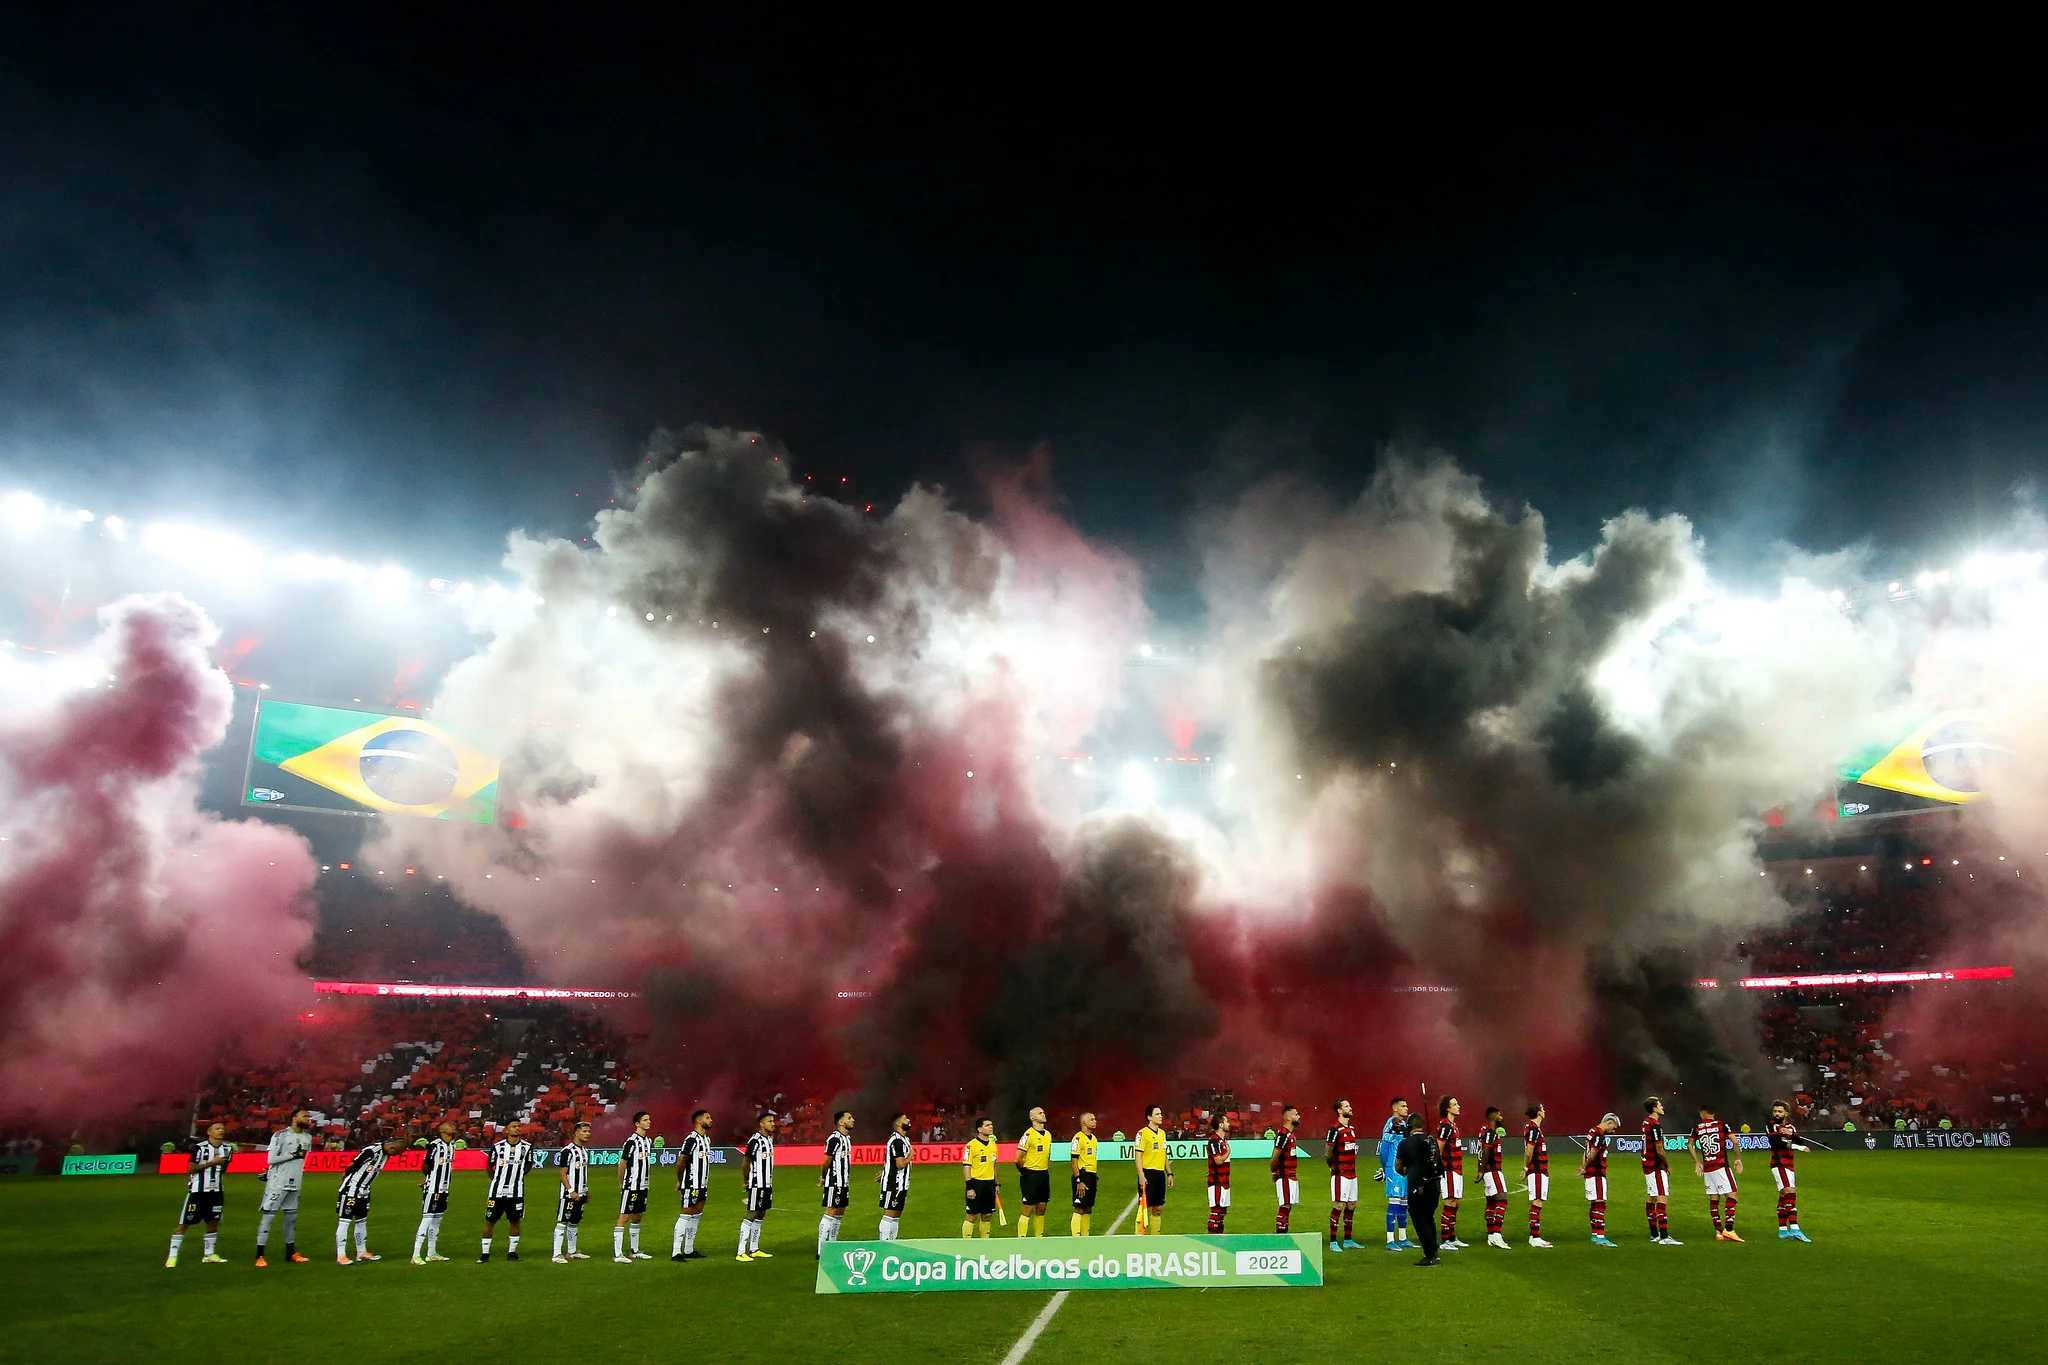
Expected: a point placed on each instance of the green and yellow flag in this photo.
(1952, 756)
(303, 757)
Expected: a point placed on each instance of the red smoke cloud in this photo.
(138, 935)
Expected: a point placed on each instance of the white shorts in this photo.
(1539, 1188)
(1344, 1189)
(1596, 1189)
(1720, 1182)
(1493, 1184)
(1786, 1184)
(1452, 1186)
(1218, 1199)
(277, 1199)
(1657, 1184)
(1286, 1192)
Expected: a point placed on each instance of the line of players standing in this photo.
(1426, 1177)
(1422, 1175)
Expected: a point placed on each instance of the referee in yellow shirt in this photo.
(1155, 1172)
(1082, 1155)
(1034, 1175)
(978, 1163)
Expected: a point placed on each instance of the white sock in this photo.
(362, 1235)
(434, 1234)
(208, 1244)
(634, 1231)
(756, 1244)
(824, 1232)
(675, 1246)
(561, 1238)
(341, 1240)
(512, 1241)
(419, 1240)
(618, 1242)
(572, 1239)
(746, 1231)
(263, 1232)
(889, 1228)
(487, 1246)
(177, 1240)
(690, 1232)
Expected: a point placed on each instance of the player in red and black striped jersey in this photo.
(1493, 1176)
(1714, 1152)
(1536, 1170)
(1286, 1167)
(1593, 1169)
(1784, 1136)
(1219, 1172)
(1341, 1154)
(1656, 1176)
(1451, 1153)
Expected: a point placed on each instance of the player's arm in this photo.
(1699, 1160)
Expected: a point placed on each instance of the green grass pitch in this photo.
(1917, 1255)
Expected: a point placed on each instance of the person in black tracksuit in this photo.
(1418, 1159)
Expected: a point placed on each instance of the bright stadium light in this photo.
(390, 582)
(22, 511)
(117, 527)
(1136, 785)
(197, 547)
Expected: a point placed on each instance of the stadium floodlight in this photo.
(196, 547)
(390, 582)
(324, 567)
(1136, 785)
(117, 527)
(22, 511)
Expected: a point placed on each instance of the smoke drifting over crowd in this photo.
(138, 936)
(797, 764)
(808, 776)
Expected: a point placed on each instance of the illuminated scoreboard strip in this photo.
(415, 990)
(1776, 983)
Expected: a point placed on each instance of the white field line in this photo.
(1052, 1307)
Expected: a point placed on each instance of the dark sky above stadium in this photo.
(397, 290)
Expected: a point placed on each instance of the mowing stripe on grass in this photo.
(1045, 1314)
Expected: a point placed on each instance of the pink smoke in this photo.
(138, 935)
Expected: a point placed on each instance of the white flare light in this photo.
(22, 511)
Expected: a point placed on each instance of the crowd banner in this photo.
(1241, 1261)
(100, 1165)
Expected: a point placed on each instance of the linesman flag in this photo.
(393, 765)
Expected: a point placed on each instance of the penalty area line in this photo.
(1053, 1305)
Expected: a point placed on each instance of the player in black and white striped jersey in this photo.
(636, 1177)
(352, 1203)
(437, 1174)
(575, 1174)
(693, 1182)
(760, 1161)
(511, 1156)
(205, 1194)
(835, 1178)
(894, 1177)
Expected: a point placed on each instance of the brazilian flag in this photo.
(332, 758)
(1951, 757)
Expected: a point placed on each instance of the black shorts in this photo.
(632, 1203)
(202, 1208)
(1034, 1187)
(760, 1200)
(350, 1207)
(835, 1197)
(1084, 1191)
(433, 1202)
(569, 1208)
(1155, 1189)
(691, 1195)
(514, 1209)
(892, 1201)
(981, 1197)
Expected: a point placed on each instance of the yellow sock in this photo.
(1038, 1225)
(1087, 1224)
(1023, 1225)
(967, 1228)
(984, 1227)
(1158, 1221)
(1074, 1225)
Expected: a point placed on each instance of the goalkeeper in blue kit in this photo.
(1391, 1133)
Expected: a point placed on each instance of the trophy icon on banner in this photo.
(857, 1261)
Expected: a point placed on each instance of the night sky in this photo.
(397, 291)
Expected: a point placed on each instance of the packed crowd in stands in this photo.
(1840, 1049)
(402, 1066)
